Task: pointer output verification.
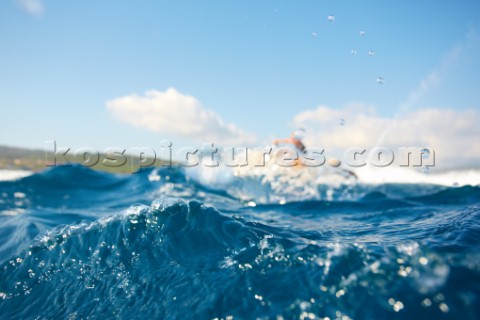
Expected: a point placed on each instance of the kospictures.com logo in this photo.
(211, 156)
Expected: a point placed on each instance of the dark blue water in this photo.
(79, 244)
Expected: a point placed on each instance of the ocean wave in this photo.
(176, 259)
(246, 247)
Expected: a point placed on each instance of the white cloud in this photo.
(32, 7)
(175, 113)
(452, 134)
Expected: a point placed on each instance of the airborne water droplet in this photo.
(331, 18)
(314, 34)
(371, 53)
(353, 52)
(341, 122)
(425, 153)
(362, 33)
(380, 80)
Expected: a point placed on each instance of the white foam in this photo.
(460, 177)
(367, 175)
(10, 175)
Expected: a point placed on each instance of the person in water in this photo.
(294, 139)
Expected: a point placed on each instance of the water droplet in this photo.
(456, 184)
(398, 306)
(362, 33)
(371, 53)
(426, 170)
(439, 297)
(425, 153)
(426, 303)
(380, 80)
(353, 52)
(314, 34)
(331, 18)
(402, 273)
(443, 307)
(19, 195)
(341, 122)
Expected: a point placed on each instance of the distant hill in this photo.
(15, 152)
(20, 158)
(14, 158)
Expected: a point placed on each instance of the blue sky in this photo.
(254, 64)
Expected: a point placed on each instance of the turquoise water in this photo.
(163, 244)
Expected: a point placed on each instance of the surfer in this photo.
(294, 139)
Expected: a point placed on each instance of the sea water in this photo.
(176, 244)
